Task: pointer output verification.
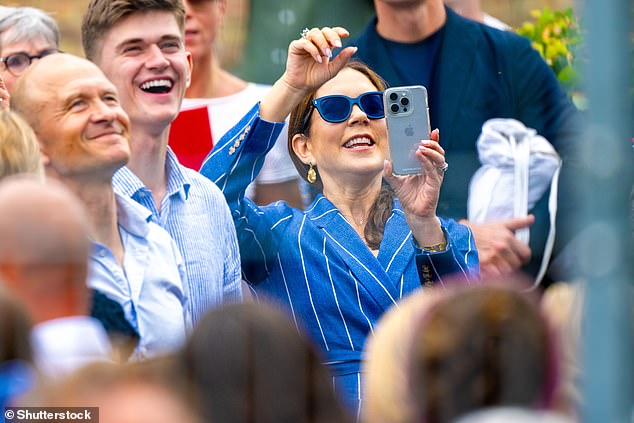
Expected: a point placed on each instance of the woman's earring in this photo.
(312, 175)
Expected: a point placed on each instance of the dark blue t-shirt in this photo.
(414, 62)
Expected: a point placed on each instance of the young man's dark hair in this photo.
(101, 15)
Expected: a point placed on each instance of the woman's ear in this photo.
(302, 148)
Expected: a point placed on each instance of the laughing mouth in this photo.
(359, 142)
(157, 86)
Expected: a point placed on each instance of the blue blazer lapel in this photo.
(349, 246)
(396, 250)
(452, 75)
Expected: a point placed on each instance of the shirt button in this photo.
(103, 252)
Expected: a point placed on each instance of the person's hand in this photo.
(308, 66)
(309, 63)
(4, 96)
(418, 194)
(500, 252)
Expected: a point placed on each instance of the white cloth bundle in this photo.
(518, 166)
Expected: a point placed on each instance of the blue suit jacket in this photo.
(482, 73)
(316, 265)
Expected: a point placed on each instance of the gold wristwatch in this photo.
(436, 248)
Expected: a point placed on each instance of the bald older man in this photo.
(43, 261)
(84, 139)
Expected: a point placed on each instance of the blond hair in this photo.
(19, 149)
(387, 392)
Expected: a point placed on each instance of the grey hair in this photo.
(27, 23)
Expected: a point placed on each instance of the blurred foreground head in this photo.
(19, 150)
(444, 353)
(247, 362)
(481, 347)
(145, 392)
(44, 247)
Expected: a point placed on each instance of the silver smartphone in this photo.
(407, 117)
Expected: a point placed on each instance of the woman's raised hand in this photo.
(418, 194)
(309, 64)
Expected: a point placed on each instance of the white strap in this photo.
(521, 155)
(550, 240)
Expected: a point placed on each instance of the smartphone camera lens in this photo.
(394, 108)
(404, 101)
(393, 96)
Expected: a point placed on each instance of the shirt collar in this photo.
(126, 182)
(178, 182)
(133, 217)
(177, 179)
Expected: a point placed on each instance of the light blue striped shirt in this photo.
(195, 214)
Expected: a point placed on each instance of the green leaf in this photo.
(569, 77)
(557, 36)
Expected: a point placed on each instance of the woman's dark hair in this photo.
(486, 346)
(300, 123)
(248, 363)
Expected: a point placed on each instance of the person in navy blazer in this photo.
(335, 272)
(474, 73)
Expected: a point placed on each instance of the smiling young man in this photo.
(84, 139)
(139, 45)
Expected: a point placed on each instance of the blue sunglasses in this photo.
(337, 108)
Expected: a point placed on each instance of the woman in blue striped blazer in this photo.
(362, 245)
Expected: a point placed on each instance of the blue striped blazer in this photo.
(315, 263)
